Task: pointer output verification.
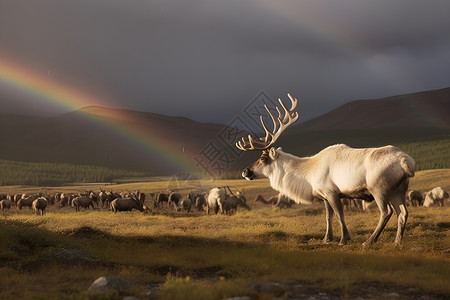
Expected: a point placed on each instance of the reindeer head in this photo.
(263, 167)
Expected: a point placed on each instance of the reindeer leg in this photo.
(399, 205)
(329, 216)
(336, 204)
(385, 215)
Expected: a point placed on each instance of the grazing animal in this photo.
(198, 199)
(335, 172)
(107, 197)
(5, 204)
(349, 202)
(229, 205)
(279, 201)
(28, 201)
(435, 197)
(160, 199)
(64, 200)
(283, 202)
(57, 197)
(126, 204)
(213, 198)
(39, 205)
(185, 205)
(369, 205)
(94, 197)
(82, 201)
(102, 197)
(415, 198)
(272, 201)
(140, 196)
(174, 199)
(17, 197)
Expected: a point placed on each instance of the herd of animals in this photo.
(216, 200)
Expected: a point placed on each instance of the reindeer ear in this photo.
(273, 153)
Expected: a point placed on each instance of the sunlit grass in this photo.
(194, 256)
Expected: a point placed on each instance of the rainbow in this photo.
(65, 97)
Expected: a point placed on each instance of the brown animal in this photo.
(229, 205)
(82, 201)
(272, 201)
(185, 205)
(352, 202)
(126, 204)
(198, 199)
(5, 204)
(174, 199)
(39, 205)
(160, 199)
(64, 200)
(140, 196)
(283, 202)
(415, 198)
(28, 201)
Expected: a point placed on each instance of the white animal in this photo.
(435, 197)
(335, 172)
(213, 198)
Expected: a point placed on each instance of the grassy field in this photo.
(263, 253)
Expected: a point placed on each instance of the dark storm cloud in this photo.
(207, 59)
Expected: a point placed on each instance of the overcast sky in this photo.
(207, 59)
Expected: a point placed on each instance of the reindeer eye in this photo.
(264, 159)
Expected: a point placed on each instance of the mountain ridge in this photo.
(90, 136)
(421, 109)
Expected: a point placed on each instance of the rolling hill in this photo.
(111, 137)
(134, 140)
(417, 110)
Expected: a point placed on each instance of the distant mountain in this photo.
(111, 137)
(134, 140)
(416, 110)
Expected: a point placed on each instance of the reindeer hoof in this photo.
(366, 244)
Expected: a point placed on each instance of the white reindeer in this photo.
(380, 174)
(435, 197)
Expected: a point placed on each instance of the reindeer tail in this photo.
(408, 165)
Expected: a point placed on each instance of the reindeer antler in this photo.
(279, 125)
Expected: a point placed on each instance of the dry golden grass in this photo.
(194, 256)
(429, 179)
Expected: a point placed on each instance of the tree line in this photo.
(45, 173)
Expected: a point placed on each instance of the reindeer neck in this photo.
(290, 177)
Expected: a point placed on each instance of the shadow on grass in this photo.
(84, 253)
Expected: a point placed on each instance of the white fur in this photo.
(435, 197)
(382, 172)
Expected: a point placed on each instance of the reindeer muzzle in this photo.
(248, 174)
